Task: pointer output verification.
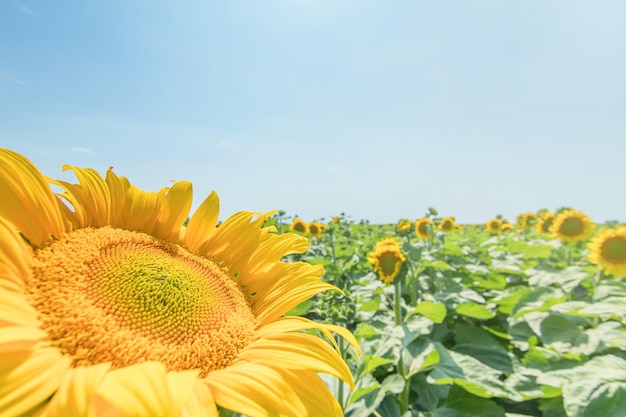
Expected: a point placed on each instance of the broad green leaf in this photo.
(559, 333)
(467, 372)
(477, 311)
(372, 362)
(479, 344)
(418, 356)
(540, 299)
(534, 251)
(596, 388)
(566, 279)
(433, 311)
(546, 359)
(461, 403)
(394, 384)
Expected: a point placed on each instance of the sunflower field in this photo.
(501, 319)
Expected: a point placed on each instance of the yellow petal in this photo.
(118, 187)
(94, 197)
(19, 339)
(15, 258)
(75, 396)
(15, 310)
(298, 351)
(147, 390)
(140, 209)
(312, 392)
(294, 323)
(200, 403)
(27, 200)
(255, 391)
(202, 223)
(174, 210)
(29, 379)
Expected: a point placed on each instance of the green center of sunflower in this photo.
(423, 228)
(614, 250)
(111, 295)
(313, 229)
(388, 261)
(572, 226)
(447, 225)
(547, 225)
(299, 227)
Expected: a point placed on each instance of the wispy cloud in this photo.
(230, 145)
(11, 79)
(25, 9)
(80, 149)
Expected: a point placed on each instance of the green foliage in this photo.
(485, 325)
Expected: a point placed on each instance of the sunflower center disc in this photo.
(423, 228)
(111, 295)
(572, 227)
(388, 263)
(614, 250)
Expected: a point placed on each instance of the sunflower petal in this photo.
(298, 351)
(15, 258)
(76, 395)
(174, 210)
(19, 338)
(200, 403)
(140, 209)
(27, 200)
(202, 223)
(147, 390)
(254, 390)
(312, 392)
(94, 196)
(16, 310)
(29, 378)
(118, 186)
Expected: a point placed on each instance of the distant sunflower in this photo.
(109, 307)
(403, 227)
(336, 219)
(493, 226)
(299, 225)
(506, 227)
(608, 249)
(447, 224)
(315, 229)
(387, 259)
(545, 223)
(572, 226)
(422, 228)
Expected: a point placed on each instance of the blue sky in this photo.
(378, 109)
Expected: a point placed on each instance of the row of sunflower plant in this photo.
(501, 319)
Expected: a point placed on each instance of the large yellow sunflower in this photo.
(109, 307)
(299, 225)
(447, 224)
(422, 227)
(572, 226)
(387, 259)
(608, 249)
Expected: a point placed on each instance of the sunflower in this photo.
(403, 227)
(316, 229)
(608, 249)
(109, 307)
(422, 227)
(506, 227)
(298, 225)
(387, 259)
(545, 223)
(447, 224)
(494, 226)
(572, 226)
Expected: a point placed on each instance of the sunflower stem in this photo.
(403, 398)
(340, 399)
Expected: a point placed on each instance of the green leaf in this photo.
(418, 356)
(566, 279)
(371, 362)
(596, 388)
(540, 299)
(467, 372)
(301, 309)
(529, 251)
(564, 336)
(394, 384)
(433, 311)
(460, 403)
(479, 344)
(477, 311)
